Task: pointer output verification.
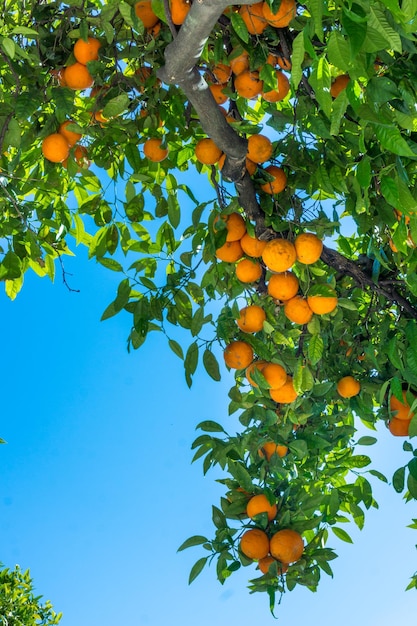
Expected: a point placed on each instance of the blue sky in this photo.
(98, 492)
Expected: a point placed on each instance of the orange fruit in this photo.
(401, 410)
(99, 117)
(153, 151)
(279, 254)
(248, 270)
(258, 365)
(285, 14)
(278, 182)
(284, 63)
(347, 387)
(230, 252)
(254, 543)
(207, 152)
(154, 31)
(218, 93)
(265, 563)
(296, 309)
(248, 85)
(308, 248)
(144, 12)
(398, 428)
(275, 375)
(283, 286)
(285, 394)
(251, 318)
(85, 51)
(322, 304)
(235, 226)
(282, 89)
(55, 148)
(260, 148)
(70, 136)
(238, 355)
(179, 11)
(339, 85)
(77, 76)
(270, 447)
(222, 72)
(260, 504)
(253, 17)
(239, 62)
(252, 246)
(287, 545)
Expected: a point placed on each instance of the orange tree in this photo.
(102, 107)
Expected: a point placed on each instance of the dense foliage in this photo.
(349, 156)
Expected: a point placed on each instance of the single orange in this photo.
(239, 62)
(230, 252)
(282, 89)
(339, 85)
(322, 304)
(238, 355)
(297, 310)
(55, 148)
(347, 387)
(153, 150)
(207, 152)
(144, 12)
(275, 375)
(71, 136)
(285, 394)
(287, 545)
(278, 182)
(85, 51)
(254, 543)
(308, 248)
(255, 365)
(400, 410)
(179, 11)
(260, 504)
(77, 76)
(260, 148)
(399, 428)
(279, 254)
(251, 318)
(285, 14)
(265, 563)
(248, 270)
(253, 17)
(235, 226)
(252, 246)
(222, 73)
(283, 286)
(248, 84)
(218, 93)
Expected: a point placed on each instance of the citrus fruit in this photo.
(207, 152)
(248, 84)
(398, 428)
(270, 447)
(296, 309)
(265, 563)
(285, 394)
(283, 286)
(256, 365)
(347, 387)
(252, 246)
(77, 76)
(282, 89)
(251, 318)
(308, 248)
(400, 410)
(153, 151)
(260, 504)
(144, 12)
(70, 136)
(259, 148)
(339, 85)
(235, 226)
(287, 545)
(278, 182)
(322, 304)
(275, 375)
(283, 16)
(230, 252)
(55, 148)
(238, 355)
(254, 543)
(279, 254)
(253, 17)
(85, 51)
(248, 270)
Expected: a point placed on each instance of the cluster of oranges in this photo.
(400, 423)
(56, 147)
(284, 547)
(77, 76)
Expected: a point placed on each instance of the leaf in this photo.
(9, 47)
(195, 540)
(116, 106)
(366, 441)
(239, 26)
(378, 475)
(389, 190)
(191, 361)
(391, 139)
(315, 349)
(398, 479)
(297, 60)
(341, 534)
(412, 486)
(378, 22)
(197, 569)
(176, 348)
(240, 473)
(210, 427)
(412, 467)
(211, 365)
(218, 517)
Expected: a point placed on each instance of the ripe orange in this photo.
(55, 148)
(401, 410)
(248, 270)
(153, 151)
(144, 12)
(99, 117)
(275, 375)
(279, 255)
(284, 63)
(222, 72)
(278, 182)
(287, 545)
(282, 89)
(235, 226)
(254, 543)
(285, 14)
(239, 62)
(179, 11)
(248, 85)
(207, 152)
(399, 428)
(251, 318)
(218, 93)
(296, 309)
(322, 304)
(70, 136)
(265, 563)
(253, 17)
(260, 504)
(283, 286)
(347, 387)
(252, 246)
(270, 447)
(230, 252)
(77, 76)
(238, 355)
(260, 148)
(308, 248)
(285, 394)
(85, 51)
(258, 365)
(339, 85)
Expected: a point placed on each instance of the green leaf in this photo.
(240, 473)
(191, 361)
(398, 479)
(195, 540)
(297, 60)
(379, 23)
(412, 466)
(197, 569)
(116, 106)
(211, 365)
(366, 441)
(176, 348)
(391, 139)
(341, 534)
(239, 26)
(218, 517)
(412, 486)
(210, 426)
(9, 47)
(315, 349)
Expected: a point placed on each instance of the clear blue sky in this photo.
(97, 489)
